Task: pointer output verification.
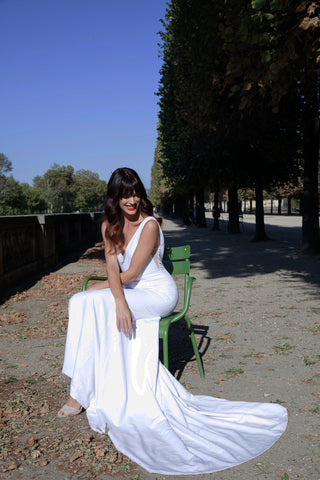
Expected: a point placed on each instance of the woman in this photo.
(112, 358)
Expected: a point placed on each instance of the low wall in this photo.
(31, 243)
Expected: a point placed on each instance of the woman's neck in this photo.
(133, 219)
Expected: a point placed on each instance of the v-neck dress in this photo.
(149, 415)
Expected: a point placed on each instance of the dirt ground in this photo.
(255, 308)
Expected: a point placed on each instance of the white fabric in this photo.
(150, 417)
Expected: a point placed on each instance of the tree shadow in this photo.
(221, 254)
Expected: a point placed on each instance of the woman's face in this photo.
(130, 205)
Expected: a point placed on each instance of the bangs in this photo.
(127, 189)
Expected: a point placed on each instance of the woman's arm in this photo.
(148, 242)
(99, 285)
(123, 313)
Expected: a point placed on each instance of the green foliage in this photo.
(57, 184)
(207, 130)
(5, 164)
(89, 191)
(58, 190)
(36, 201)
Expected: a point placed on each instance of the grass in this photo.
(16, 405)
(315, 410)
(285, 476)
(36, 379)
(307, 361)
(249, 355)
(233, 371)
(284, 348)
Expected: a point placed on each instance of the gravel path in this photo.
(255, 308)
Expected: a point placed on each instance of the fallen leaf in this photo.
(35, 454)
(41, 463)
(75, 456)
(44, 409)
(31, 441)
(100, 453)
(13, 466)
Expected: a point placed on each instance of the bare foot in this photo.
(71, 402)
(70, 408)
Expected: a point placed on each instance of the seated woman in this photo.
(112, 357)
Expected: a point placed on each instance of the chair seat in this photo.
(174, 317)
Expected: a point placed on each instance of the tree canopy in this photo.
(60, 189)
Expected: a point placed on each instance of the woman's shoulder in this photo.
(147, 224)
(104, 226)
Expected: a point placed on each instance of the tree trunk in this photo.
(179, 206)
(216, 211)
(233, 224)
(289, 206)
(279, 205)
(200, 211)
(260, 234)
(310, 214)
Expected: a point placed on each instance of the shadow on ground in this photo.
(222, 254)
(180, 348)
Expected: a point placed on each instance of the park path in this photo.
(255, 308)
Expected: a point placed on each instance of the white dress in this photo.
(150, 416)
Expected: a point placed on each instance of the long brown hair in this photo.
(123, 183)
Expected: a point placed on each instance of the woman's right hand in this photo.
(124, 317)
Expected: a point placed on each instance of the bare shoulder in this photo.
(151, 228)
(104, 225)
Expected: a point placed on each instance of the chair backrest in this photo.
(176, 260)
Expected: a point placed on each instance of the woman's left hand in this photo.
(124, 317)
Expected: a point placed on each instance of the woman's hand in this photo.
(124, 317)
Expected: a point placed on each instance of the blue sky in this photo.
(78, 82)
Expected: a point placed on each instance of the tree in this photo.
(275, 51)
(57, 184)
(36, 201)
(89, 191)
(5, 164)
(160, 195)
(5, 167)
(185, 126)
(14, 199)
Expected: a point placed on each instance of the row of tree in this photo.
(60, 189)
(239, 105)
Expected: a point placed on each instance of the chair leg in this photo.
(165, 349)
(195, 346)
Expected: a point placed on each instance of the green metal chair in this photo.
(177, 262)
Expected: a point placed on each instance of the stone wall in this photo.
(31, 243)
